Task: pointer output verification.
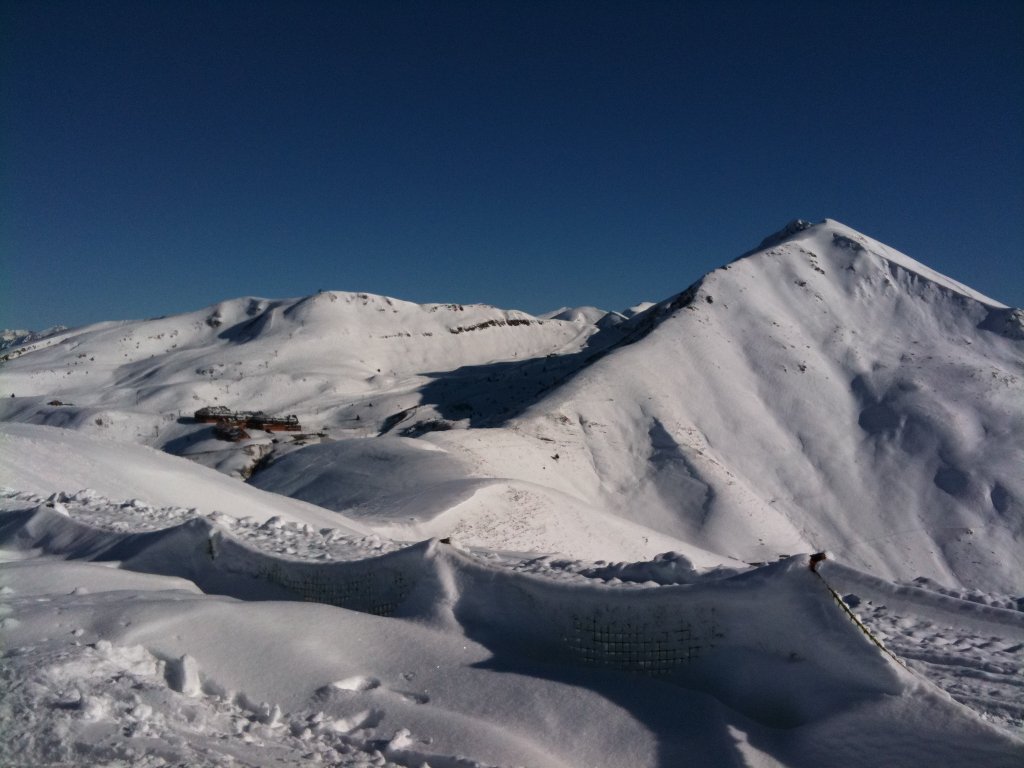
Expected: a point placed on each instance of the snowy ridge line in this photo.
(376, 585)
(202, 550)
(652, 634)
(133, 516)
(680, 632)
(800, 231)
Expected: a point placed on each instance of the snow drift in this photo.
(772, 648)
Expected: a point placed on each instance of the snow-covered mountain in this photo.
(321, 357)
(821, 392)
(607, 494)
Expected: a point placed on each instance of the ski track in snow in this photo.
(982, 670)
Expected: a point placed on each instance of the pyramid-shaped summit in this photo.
(822, 391)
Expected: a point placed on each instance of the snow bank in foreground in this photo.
(482, 663)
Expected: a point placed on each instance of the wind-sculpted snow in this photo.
(769, 643)
(45, 460)
(383, 479)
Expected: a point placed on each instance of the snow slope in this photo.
(482, 663)
(501, 540)
(324, 357)
(413, 489)
(824, 393)
(46, 460)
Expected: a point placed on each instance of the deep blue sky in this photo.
(159, 157)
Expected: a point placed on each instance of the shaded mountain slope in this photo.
(825, 392)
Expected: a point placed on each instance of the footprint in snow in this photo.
(367, 719)
(415, 698)
(362, 684)
(357, 683)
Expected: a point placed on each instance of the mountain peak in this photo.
(792, 228)
(846, 248)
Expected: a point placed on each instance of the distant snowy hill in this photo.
(821, 392)
(14, 338)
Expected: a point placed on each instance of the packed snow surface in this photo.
(580, 539)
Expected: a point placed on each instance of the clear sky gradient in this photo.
(158, 157)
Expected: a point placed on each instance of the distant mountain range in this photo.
(822, 392)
